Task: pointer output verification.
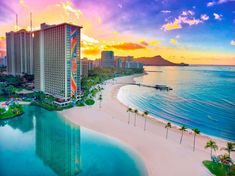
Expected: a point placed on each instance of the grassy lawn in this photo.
(219, 169)
(14, 110)
(90, 102)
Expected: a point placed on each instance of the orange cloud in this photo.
(232, 42)
(127, 46)
(93, 51)
(171, 26)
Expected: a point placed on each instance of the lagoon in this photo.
(43, 143)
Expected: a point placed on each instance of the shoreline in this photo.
(157, 153)
(164, 122)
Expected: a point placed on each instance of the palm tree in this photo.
(229, 148)
(100, 99)
(211, 144)
(145, 114)
(168, 125)
(182, 129)
(196, 131)
(129, 110)
(136, 112)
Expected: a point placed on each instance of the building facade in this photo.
(84, 67)
(57, 60)
(107, 59)
(19, 52)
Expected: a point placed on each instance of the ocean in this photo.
(203, 97)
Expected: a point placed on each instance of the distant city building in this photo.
(84, 67)
(124, 58)
(97, 63)
(134, 64)
(57, 60)
(3, 61)
(119, 63)
(90, 65)
(19, 52)
(107, 59)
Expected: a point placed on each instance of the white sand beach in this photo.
(161, 157)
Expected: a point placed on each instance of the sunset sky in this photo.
(190, 31)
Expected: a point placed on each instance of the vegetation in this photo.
(129, 110)
(12, 111)
(220, 169)
(136, 113)
(182, 129)
(229, 148)
(221, 165)
(167, 126)
(100, 99)
(89, 102)
(196, 132)
(145, 114)
(212, 145)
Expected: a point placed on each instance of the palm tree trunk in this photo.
(129, 118)
(135, 120)
(194, 142)
(166, 133)
(211, 152)
(182, 133)
(145, 123)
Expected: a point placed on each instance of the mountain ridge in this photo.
(157, 61)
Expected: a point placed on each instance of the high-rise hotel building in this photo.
(57, 60)
(19, 52)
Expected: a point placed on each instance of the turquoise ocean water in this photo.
(203, 97)
(41, 143)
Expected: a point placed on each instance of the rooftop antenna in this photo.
(16, 22)
(31, 23)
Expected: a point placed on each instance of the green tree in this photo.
(100, 99)
(167, 126)
(145, 114)
(10, 90)
(230, 147)
(196, 132)
(212, 145)
(136, 113)
(129, 110)
(182, 129)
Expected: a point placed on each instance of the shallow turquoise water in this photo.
(203, 97)
(43, 143)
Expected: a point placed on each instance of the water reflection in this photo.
(58, 145)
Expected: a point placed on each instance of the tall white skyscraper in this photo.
(57, 60)
(19, 52)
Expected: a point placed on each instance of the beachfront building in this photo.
(57, 60)
(84, 67)
(134, 64)
(96, 63)
(107, 59)
(3, 61)
(19, 52)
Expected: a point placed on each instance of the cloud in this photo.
(209, 4)
(232, 42)
(213, 3)
(127, 46)
(93, 51)
(204, 17)
(186, 17)
(217, 16)
(166, 11)
(69, 9)
(173, 41)
(171, 26)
